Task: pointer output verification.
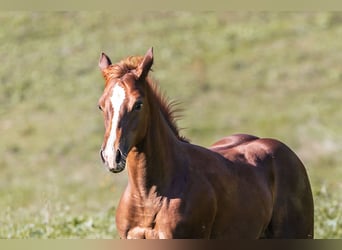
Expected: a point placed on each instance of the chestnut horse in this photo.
(241, 187)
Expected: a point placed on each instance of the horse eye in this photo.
(138, 105)
(100, 108)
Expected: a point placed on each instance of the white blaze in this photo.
(117, 98)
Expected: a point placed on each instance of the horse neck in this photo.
(155, 161)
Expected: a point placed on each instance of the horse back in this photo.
(247, 150)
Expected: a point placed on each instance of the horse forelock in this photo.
(121, 68)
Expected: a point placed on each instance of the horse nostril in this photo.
(118, 156)
(102, 157)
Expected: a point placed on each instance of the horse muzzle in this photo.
(114, 164)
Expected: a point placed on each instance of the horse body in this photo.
(240, 187)
(240, 202)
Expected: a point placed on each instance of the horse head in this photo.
(125, 107)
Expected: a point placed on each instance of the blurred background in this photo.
(268, 74)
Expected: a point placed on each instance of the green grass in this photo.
(269, 74)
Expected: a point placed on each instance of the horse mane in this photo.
(168, 108)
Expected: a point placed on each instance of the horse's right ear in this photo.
(146, 64)
(104, 61)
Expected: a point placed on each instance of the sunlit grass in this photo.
(269, 74)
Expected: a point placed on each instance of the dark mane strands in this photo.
(167, 108)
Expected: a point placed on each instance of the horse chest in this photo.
(150, 219)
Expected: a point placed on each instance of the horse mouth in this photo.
(118, 164)
(119, 167)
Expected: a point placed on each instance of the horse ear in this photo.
(145, 65)
(104, 61)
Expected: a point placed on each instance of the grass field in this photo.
(269, 74)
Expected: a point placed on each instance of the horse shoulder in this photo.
(229, 180)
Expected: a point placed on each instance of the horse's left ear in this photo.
(146, 64)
